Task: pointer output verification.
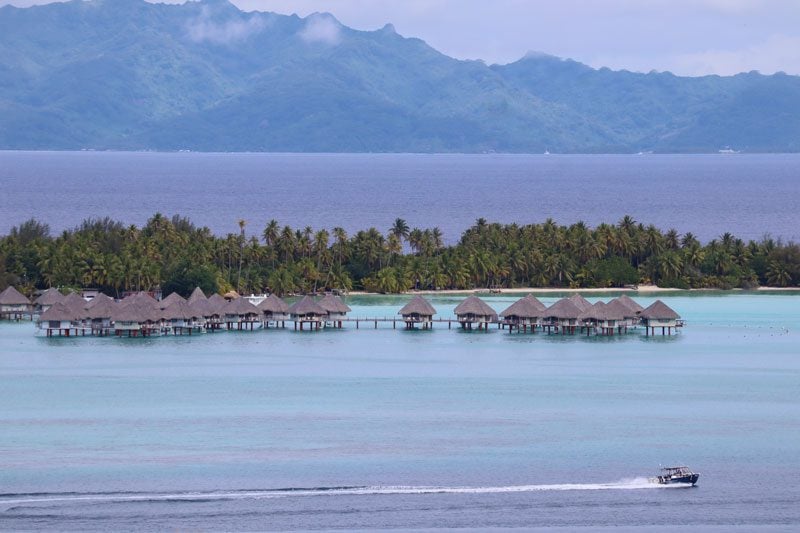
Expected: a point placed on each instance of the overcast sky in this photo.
(688, 37)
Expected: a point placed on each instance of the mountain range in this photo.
(205, 76)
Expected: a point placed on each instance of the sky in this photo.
(687, 37)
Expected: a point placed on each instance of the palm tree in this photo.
(399, 229)
(242, 224)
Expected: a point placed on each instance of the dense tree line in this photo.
(178, 256)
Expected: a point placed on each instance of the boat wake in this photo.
(14, 499)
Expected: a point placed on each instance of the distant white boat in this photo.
(546, 152)
(728, 150)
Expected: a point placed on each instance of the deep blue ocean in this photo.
(748, 195)
(388, 429)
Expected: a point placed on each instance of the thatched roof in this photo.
(596, 312)
(240, 307)
(130, 312)
(563, 309)
(197, 294)
(618, 310)
(98, 299)
(307, 306)
(527, 307)
(582, 303)
(58, 312)
(273, 304)
(142, 298)
(658, 310)
(216, 304)
(201, 307)
(49, 297)
(474, 306)
(100, 308)
(171, 299)
(179, 310)
(333, 304)
(11, 296)
(629, 302)
(231, 295)
(75, 303)
(417, 306)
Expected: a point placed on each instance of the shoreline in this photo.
(641, 289)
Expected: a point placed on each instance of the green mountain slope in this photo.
(126, 74)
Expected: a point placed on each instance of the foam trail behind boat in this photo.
(8, 500)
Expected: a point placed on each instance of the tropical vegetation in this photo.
(174, 254)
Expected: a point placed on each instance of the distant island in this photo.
(205, 76)
(176, 256)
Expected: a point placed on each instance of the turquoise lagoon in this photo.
(386, 428)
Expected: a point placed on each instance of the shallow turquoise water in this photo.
(513, 430)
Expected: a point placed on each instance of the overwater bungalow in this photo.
(562, 315)
(98, 314)
(215, 309)
(525, 313)
(307, 311)
(128, 320)
(474, 311)
(602, 318)
(274, 310)
(336, 308)
(418, 311)
(182, 317)
(630, 317)
(659, 314)
(59, 320)
(14, 305)
(47, 299)
(239, 314)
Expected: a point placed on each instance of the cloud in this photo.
(205, 28)
(321, 28)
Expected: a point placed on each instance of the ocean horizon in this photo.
(359, 191)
